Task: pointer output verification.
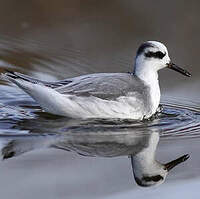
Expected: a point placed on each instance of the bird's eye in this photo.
(157, 178)
(157, 54)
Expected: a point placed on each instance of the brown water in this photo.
(55, 40)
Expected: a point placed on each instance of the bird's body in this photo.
(103, 95)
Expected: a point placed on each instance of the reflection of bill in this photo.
(146, 169)
(103, 142)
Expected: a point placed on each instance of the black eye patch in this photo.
(157, 54)
(153, 178)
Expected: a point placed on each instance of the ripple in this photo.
(179, 119)
(176, 121)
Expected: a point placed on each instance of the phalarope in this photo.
(104, 95)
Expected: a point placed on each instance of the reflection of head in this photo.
(147, 171)
(154, 176)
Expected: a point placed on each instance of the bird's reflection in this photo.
(104, 138)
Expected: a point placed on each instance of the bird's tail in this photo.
(42, 92)
(11, 146)
(24, 82)
(14, 76)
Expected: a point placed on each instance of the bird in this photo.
(134, 95)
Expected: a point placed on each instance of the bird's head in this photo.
(153, 56)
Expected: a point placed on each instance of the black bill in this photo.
(178, 69)
(172, 164)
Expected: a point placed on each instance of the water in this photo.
(69, 38)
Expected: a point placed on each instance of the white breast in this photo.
(150, 78)
(154, 95)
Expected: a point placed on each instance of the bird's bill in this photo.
(178, 69)
(172, 164)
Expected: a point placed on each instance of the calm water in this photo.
(71, 38)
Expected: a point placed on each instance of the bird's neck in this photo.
(145, 160)
(147, 74)
(150, 78)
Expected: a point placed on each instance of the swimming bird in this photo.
(104, 95)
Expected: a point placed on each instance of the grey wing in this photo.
(103, 85)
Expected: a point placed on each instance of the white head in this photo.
(152, 56)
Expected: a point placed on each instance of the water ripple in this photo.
(19, 114)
